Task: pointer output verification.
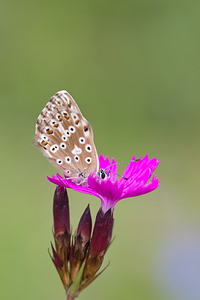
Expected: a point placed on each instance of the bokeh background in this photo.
(134, 69)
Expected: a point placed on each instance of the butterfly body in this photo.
(66, 138)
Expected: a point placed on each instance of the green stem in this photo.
(73, 291)
(70, 296)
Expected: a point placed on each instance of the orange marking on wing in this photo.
(49, 131)
(85, 128)
(43, 143)
(76, 122)
(56, 125)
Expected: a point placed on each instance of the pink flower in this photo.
(110, 190)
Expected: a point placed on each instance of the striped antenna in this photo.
(102, 172)
(123, 162)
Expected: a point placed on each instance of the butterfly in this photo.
(66, 138)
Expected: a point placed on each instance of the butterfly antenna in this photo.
(122, 162)
(119, 175)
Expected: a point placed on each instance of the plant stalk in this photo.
(70, 296)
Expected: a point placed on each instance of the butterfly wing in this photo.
(66, 137)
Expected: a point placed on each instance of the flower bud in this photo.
(85, 227)
(61, 211)
(99, 243)
(61, 232)
(81, 241)
(63, 276)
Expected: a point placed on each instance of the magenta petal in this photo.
(59, 180)
(110, 167)
(103, 162)
(111, 189)
(107, 191)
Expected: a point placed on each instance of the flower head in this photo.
(134, 181)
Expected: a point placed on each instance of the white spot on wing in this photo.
(74, 116)
(62, 145)
(64, 138)
(54, 148)
(59, 161)
(82, 140)
(68, 159)
(87, 133)
(72, 129)
(88, 148)
(44, 137)
(67, 132)
(88, 160)
(76, 150)
(76, 158)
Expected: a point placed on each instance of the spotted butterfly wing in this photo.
(66, 138)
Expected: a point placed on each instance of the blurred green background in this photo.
(133, 67)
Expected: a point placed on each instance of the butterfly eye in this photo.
(76, 157)
(88, 148)
(68, 159)
(63, 145)
(82, 140)
(59, 161)
(54, 148)
(64, 138)
(88, 160)
(72, 129)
